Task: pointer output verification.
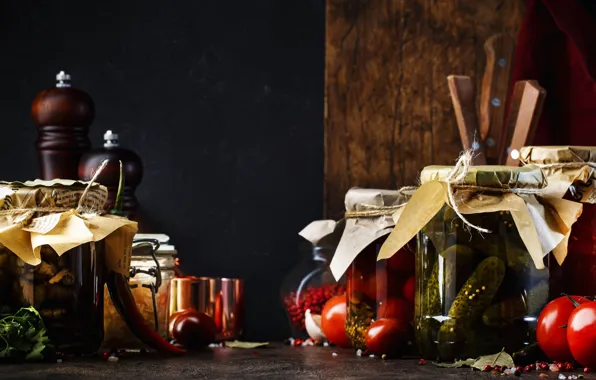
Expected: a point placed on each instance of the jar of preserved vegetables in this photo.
(310, 284)
(483, 243)
(570, 174)
(376, 290)
(151, 270)
(57, 253)
(62, 289)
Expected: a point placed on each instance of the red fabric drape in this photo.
(557, 47)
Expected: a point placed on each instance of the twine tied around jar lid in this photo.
(543, 223)
(568, 169)
(455, 181)
(573, 189)
(374, 210)
(580, 163)
(26, 213)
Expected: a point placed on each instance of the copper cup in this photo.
(220, 298)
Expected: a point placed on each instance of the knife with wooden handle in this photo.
(462, 96)
(495, 89)
(507, 133)
(526, 120)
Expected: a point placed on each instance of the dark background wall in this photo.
(223, 100)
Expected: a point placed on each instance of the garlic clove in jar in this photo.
(312, 322)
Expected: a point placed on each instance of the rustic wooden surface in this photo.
(301, 363)
(387, 107)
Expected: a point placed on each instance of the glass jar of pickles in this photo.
(377, 291)
(151, 270)
(570, 174)
(481, 263)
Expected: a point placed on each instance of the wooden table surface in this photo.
(276, 362)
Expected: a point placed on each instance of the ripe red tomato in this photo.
(387, 336)
(402, 261)
(552, 339)
(581, 334)
(409, 289)
(173, 318)
(194, 329)
(395, 308)
(333, 321)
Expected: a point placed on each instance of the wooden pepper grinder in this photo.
(62, 115)
(132, 167)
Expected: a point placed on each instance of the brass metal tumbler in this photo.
(220, 298)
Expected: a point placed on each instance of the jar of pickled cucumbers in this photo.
(570, 174)
(481, 261)
(379, 293)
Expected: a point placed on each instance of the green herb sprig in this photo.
(23, 336)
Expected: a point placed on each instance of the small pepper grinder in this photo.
(62, 115)
(132, 167)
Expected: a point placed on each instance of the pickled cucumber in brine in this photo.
(473, 298)
(479, 292)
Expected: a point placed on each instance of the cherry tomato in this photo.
(387, 337)
(333, 320)
(174, 316)
(194, 329)
(409, 289)
(402, 261)
(551, 337)
(581, 334)
(395, 308)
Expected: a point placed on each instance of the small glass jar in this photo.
(152, 269)
(310, 285)
(380, 292)
(66, 290)
(379, 289)
(570, 174)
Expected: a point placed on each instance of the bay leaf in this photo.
(239, 344)
(457, 364)
(501, 359)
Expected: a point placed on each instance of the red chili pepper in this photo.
(125, 303)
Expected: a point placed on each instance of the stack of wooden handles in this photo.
(495, 138)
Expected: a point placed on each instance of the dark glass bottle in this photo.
(62, 115)
(132, 167)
